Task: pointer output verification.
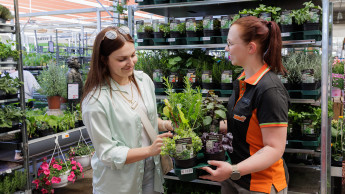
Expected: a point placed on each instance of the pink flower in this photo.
(82, 174)
(36, 182)
(47, 172)
(74, 168)
(48, 183)
(44, 191)
(56, 180)
(71, 177)
(45, 158)
(56, 166)
(44, 166)
(40, 171)
(52, 191)
(60, 162)
(73, 162)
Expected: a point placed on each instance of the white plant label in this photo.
(65, 135)
(206, 38)
(171, 39)
(140, 40)
(187, 171)
(286, 34)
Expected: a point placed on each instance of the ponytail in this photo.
(268, 35)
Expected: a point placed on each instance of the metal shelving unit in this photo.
(8, 100)
(10, 132)
(202, 8)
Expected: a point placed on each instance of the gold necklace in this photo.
(130, 101)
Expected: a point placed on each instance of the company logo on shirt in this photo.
(240, 118)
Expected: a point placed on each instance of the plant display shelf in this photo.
(9, 100)
(171, 175)
(335, 171)
(4, 65)
(290, 43)
(42, 145)
(2, 30)
(10, 132)
(8, 167)
(34, 67)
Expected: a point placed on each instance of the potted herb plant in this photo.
(225, 25)
(267, 13)
(286, 21)
(183, 109)
(7, 53)
(9, 87)
(246, 12)
(12, 182)
(81, 153)
(337, 77)
(5, 14)
(53, 84)
(312, 17)
(191, 28)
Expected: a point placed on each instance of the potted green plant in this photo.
(337, 77)
(225, 25)
(53, 84)
(175, 64)
(246, 12)
(12, 182)
(267, 13)
(7, 53)
(312, 17)
(5, 14)
(81, 153)
(286, 21)
(337, 142)
(9, 87)
(191, 28)
(11, 118)
(299, 18)
(160, 1)
(183, 109)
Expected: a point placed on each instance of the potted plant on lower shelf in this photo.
(56, 174)
(183, 109)
(12, 182)
(53, 83)
(5, 14)
(82, 153)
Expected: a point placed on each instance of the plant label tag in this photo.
(187, 171)
(8, 171)
(73, 91)
(171, 39)
(206, 38)
(140, 40)
(140, 1)
(204, 91)
(286, 34)
(287, 142)
(65, 135)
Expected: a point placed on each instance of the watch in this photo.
(235, 174)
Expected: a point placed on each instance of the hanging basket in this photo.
(64, 180)
(84, 161)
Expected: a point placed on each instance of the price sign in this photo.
(171, 39)
(140, 40)
(187, 171)
(286, 34)
(65, 135)
(206, 38)
(73, 91)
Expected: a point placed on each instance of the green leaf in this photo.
(221, 113)
(207, 120)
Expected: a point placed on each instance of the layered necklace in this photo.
(133, 104)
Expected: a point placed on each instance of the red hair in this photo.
(267, 35)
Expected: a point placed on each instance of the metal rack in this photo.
(200, 8)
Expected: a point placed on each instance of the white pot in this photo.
(64, 180)
(84, 161)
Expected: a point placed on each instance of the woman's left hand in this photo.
(168, 125)
(223, 171)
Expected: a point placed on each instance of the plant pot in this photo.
(311, 26)
(54, 102)
(175, 1)
(43, 133)
(175, 34)
(189, 163)
(226, 86)
(11, 96)
(63, 100)
(191, 34)
(287, 86)
(208, 33)
(158, 34)
(2, 94)
(144, 35)
(81, 123)
(64, 180)
(209, 85)
(220, 156)
(2, 20)
(160, 1)
(84, 161)
(287, 28)
(311, 86)
(224, 32)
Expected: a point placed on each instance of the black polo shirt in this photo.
(257, 102)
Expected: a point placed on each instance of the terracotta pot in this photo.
(63, 100)
(54, 102)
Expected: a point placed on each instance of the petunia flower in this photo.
(74, 167)
(56, 180)
(44, 166)
(47, 172)
(48, 183)
(39, 172)
(44, 191)
(73, 162)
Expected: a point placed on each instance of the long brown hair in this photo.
(99, 73)
(267, 34)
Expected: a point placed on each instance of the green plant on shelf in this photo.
(141, 29)
(37, 59)
(214, 112)
(246, 11)
(181, 27)
(165, 28)
(264, 9)
(311, 16)
(12, 182)
(80, 150)
(208, 24)
(9, 115)
(53, 81)
(148, 28)
(199, 26)
(300, 15)
(10, 85)
(6, 51)
(5, 13)
(225, 24)
(337, 142)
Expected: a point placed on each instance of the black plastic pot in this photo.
(311, 86)
(287, 86)
(310, 137)
(226, 86)
(160, 1)
(76, 124)
(189, 163)
(158, 34)
(208, 33)
(158, 84)
(46, 132)
(287, 28)
(220, 156)
(175, 34)
(224, 32)
(311, 26)
(12, 96)
(142, 35)
(81, 123)
(209, 86)
(191, 34)
(2, 94)
(175, 1)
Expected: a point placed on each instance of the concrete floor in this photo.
(81, 185)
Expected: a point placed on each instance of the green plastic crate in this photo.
(177, 41)
(159, 41)
(312, 34)
(193, 40)
(298, 144)
(225, 93)
(145, 42)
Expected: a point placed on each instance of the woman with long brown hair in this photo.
(257, 112)
(125, 160)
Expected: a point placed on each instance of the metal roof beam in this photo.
(63, 12)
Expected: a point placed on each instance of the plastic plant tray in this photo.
(193, 40)
(177, 41)
(159, 41)
(211, 39)
(303, 144)
(225, 93)
(193, 173)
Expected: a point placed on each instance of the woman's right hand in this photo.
(155, 148)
